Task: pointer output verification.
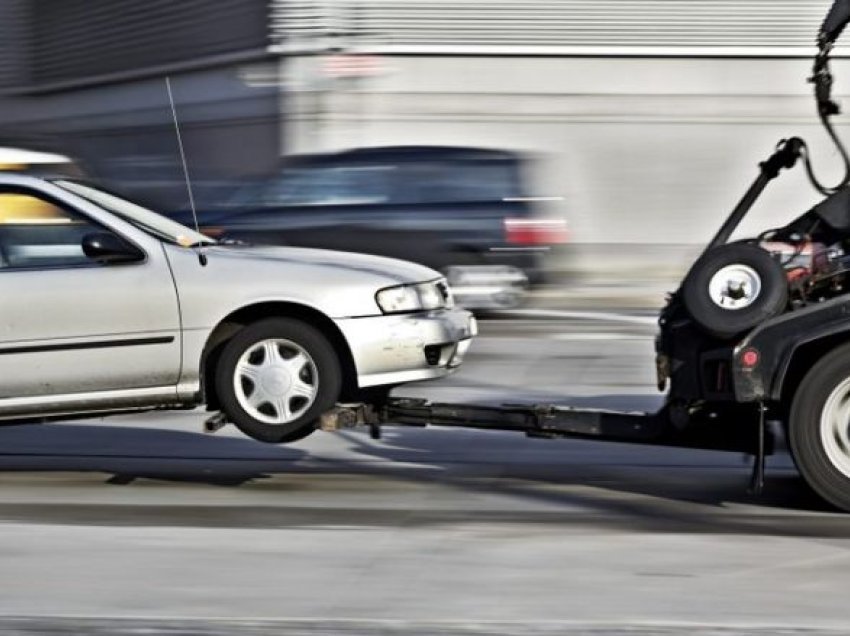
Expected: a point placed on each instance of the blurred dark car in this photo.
(462, 211)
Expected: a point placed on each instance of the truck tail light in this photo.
(535, 231)
(749, 358)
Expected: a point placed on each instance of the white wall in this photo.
(653, 150)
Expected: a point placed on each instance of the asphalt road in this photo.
(143, 524)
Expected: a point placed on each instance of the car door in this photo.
(71, 325)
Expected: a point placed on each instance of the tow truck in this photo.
(757, 332)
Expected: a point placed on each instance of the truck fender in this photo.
(786, 346)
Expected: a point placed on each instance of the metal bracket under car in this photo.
(737, 428)
(342, 416)
(733, 429)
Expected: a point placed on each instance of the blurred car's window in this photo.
(405, 181)
(336, 185)
(35, 232)
(457, 181)
(320, 185)
(18, 208)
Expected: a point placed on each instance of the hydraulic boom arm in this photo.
(834, 23)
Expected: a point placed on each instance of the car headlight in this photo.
(419, 297)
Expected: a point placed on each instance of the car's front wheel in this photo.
(276, 377)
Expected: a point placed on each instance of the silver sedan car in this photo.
(108, 307)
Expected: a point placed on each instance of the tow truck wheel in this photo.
(733, 288)
(819, 427)
(276, 377)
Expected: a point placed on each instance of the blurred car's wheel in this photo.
(733, 288)
(487, 286)
(276, 377)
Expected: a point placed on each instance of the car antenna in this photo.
(202, 258)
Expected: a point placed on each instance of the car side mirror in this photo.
(109, 249)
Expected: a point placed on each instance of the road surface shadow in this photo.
(129, 453)
(633, 487)
(575, 484)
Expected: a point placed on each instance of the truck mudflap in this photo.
(736, 429)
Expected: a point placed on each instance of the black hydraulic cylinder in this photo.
(834, 23)
(785, 156)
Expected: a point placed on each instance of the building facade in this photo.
(88, 79)
(648, 117)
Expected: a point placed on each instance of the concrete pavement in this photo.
(143, 524)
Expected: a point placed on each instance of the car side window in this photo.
(458, 181)
(331, 185)
(37, 232)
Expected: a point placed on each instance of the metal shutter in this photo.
(77, 40)
(14, 43)
(674, 27)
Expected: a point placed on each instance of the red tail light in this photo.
(750, 358)
(536, 231)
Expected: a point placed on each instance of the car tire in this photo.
(733, 288)
(276, 377)
(819, 427)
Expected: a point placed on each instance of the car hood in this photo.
(339, 284)
(391, 270)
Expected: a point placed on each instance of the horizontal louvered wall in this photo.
(14, 42)
(773, 27)
(73, 40)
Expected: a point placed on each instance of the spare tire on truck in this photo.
(732, 288)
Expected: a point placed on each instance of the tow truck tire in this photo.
(276, 377)
(819, 427)
(733, 288)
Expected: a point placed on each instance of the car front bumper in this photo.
(402, 348)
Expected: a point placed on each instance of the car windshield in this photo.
(146, 220)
